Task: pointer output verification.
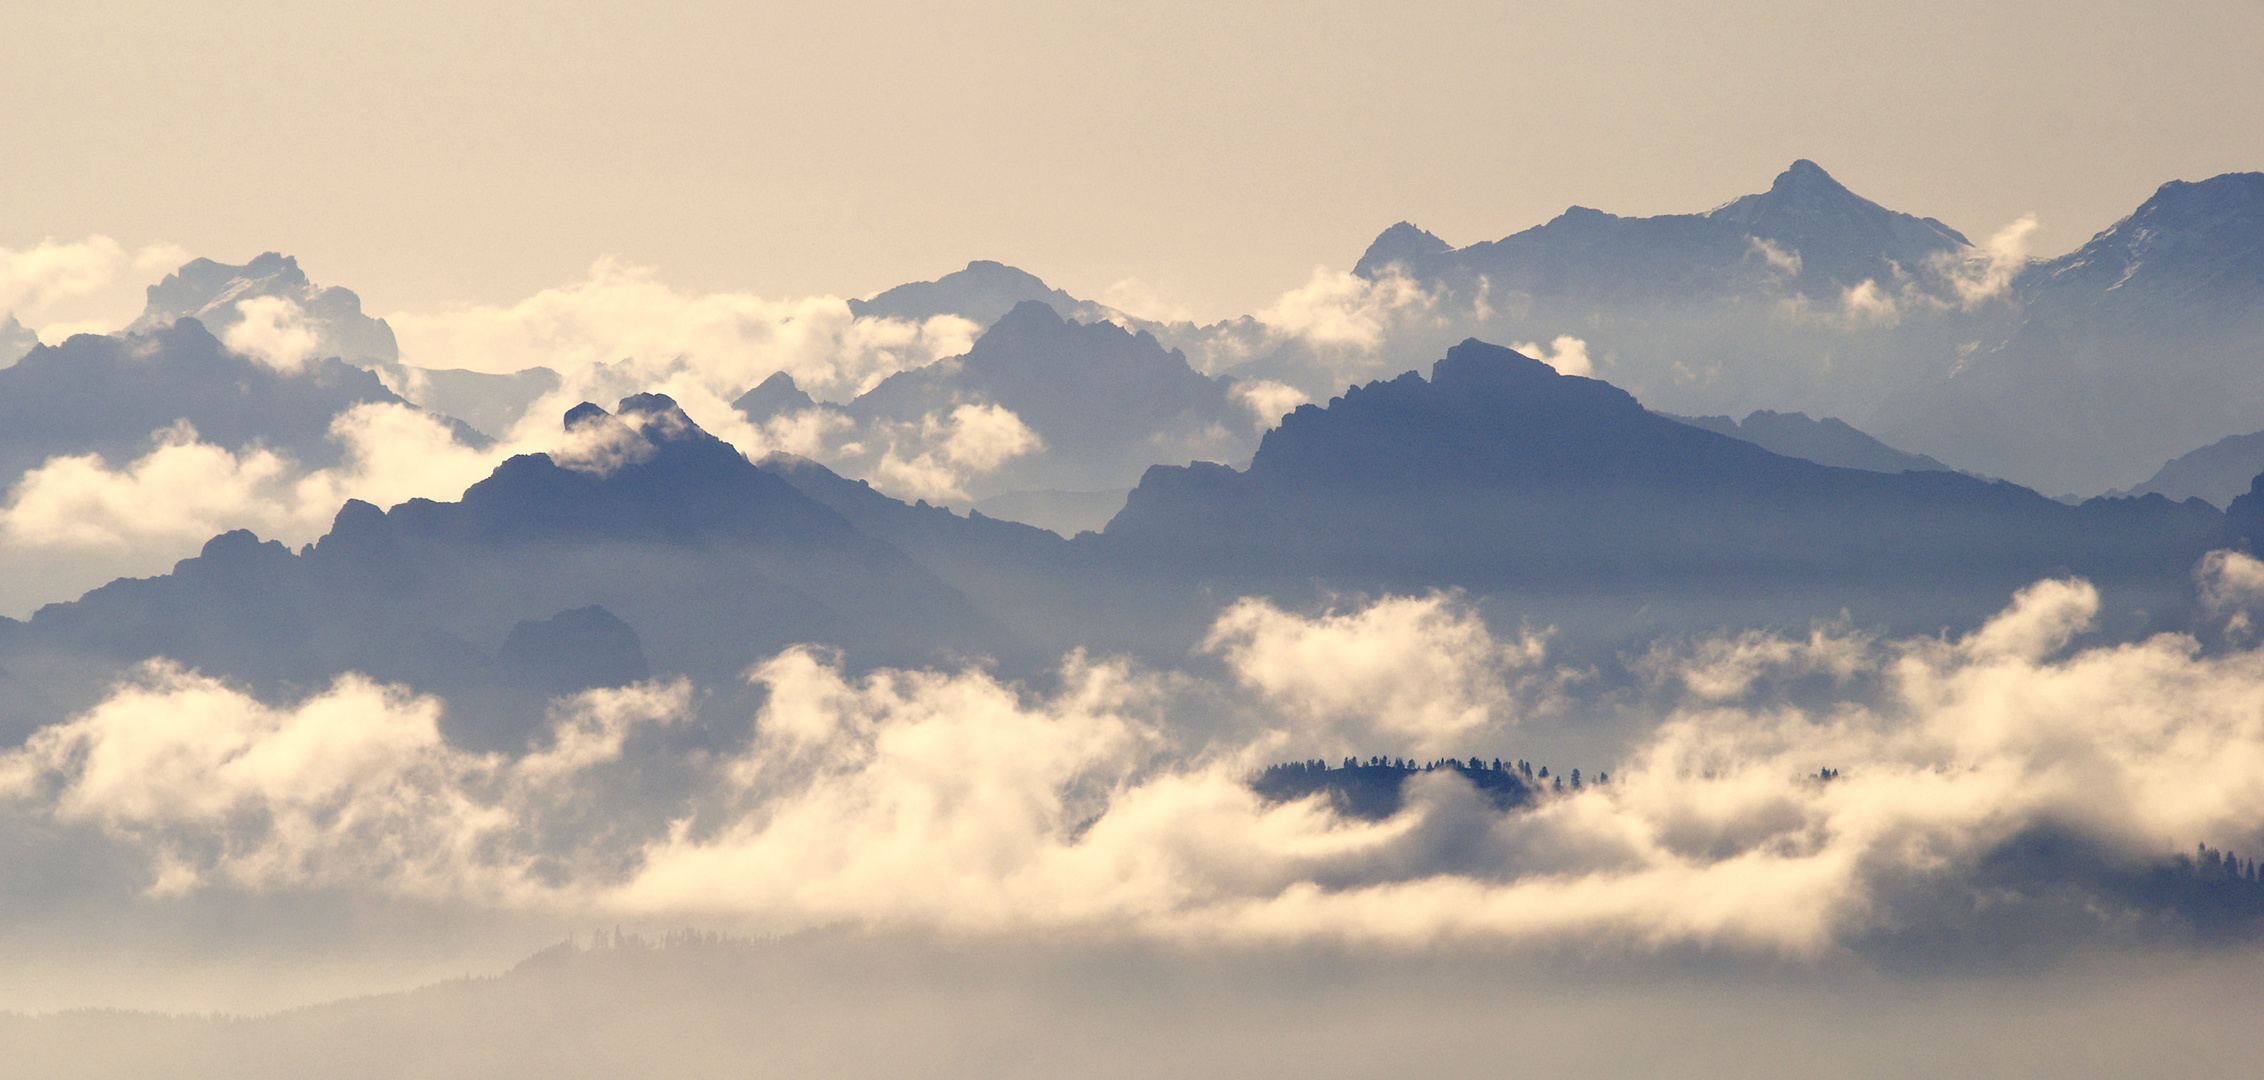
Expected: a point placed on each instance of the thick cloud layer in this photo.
(1796, 797)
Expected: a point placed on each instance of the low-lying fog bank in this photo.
(848, 1005)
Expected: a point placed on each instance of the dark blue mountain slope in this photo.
(709, 562)
(1497, 473)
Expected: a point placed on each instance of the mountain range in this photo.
(2140, 345)
(663, 550)
(215, 294)
(1103, 403)
(1500, 475)
(2075, 374)
(647, 546)
(114, 394)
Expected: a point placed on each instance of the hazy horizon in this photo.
(1210, 156)
(481, 475)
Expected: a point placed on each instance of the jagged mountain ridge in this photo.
(16, 339)
(212, 293)
(1806, 297)
(982, 293)
(2080, 373)
(1840, 238)
(1106, 402)
(109, 395)
(1496, 475)
(713, 562)
(1504, 478)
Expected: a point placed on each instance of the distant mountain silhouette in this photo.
(574, 650)
(491, 403)
(772, 397)
(982, 293)
(1805, 297)
(2216, 473)
(701, 562)
(2078, 374)
(1562, 498)
(108, 395)
(1840, 239)
(1498, 474)
(1501, 477)
(1829, 441)
(210, 293)
(1106, 402)
(2132, 349)
(1404, 244)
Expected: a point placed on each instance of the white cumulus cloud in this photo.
(727, 342)
(957, 800)
(59, 288)
(275, 331)
(1567, 354)
(1268, 399)
(1337, 309)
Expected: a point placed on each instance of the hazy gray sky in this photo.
(424, 151)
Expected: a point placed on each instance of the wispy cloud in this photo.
(1985, 272)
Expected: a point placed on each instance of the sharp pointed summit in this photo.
(1402, 243)
(1809, 210)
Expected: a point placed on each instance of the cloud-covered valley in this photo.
(2001, 785)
